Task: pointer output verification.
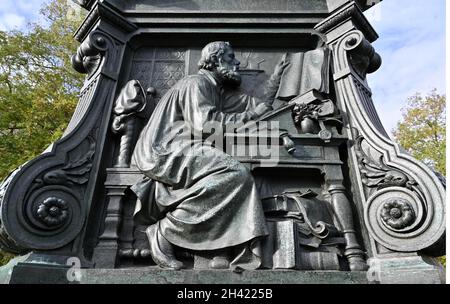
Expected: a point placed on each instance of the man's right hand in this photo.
(280, 67)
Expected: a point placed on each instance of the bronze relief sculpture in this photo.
(180, 158)
(207, 199)
(204, 199)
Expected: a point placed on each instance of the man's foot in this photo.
(219, 262)
(161, 250)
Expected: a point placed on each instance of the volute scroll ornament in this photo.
(50, 218)
(376, 174)
(6, 242)
(403, 201)
(91, 53)
(362, 56)
(44, 205)
(50, 214)
(395, 217)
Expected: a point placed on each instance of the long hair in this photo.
(211, 53)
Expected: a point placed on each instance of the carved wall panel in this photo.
(160, 68)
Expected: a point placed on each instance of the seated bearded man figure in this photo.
(205, 200)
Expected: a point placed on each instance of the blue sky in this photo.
(411, 43)
(15, 14)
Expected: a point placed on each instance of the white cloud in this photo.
(11, 21)
(412, 45)
(24, 6)
(29, 5)
(17, 13)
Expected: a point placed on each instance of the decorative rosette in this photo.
(398, 214)
(53, 212)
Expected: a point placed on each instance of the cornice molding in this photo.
(352, 12)
(102, 11)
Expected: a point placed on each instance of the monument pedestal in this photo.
(75, 201)
(27, 273)
(394, 270)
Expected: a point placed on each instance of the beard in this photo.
(230, 77)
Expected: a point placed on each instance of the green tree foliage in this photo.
(5, 257)
(422, 129)
(38, 86)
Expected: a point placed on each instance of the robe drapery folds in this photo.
(204, 198)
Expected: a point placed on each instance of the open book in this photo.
(306, 71)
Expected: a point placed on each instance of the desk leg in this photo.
(343, 212)
(105, 255)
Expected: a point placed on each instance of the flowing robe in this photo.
(204, 199)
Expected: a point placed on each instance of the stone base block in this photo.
(395, 270)
(406, 270)
(154, 275)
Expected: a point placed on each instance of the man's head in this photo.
(218, 57)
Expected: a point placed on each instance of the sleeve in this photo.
(238, 101)
(199, 108)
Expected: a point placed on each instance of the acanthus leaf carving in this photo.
(377, 174)
(74, 172)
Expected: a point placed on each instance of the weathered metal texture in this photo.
(58, 203)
